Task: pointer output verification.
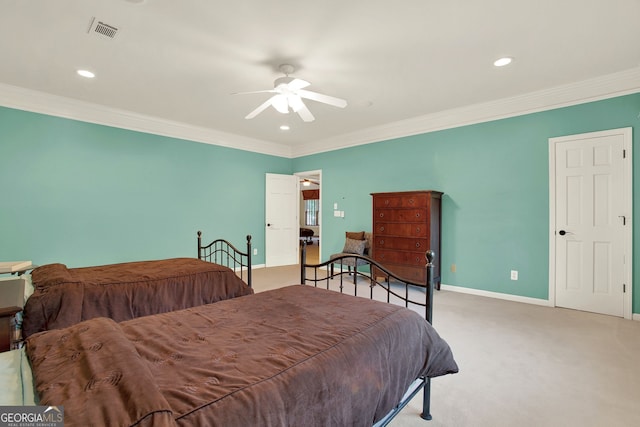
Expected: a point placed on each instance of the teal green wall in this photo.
(495, 177)
(84, 194)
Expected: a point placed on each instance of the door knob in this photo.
(562, 232)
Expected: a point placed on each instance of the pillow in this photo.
(352, 246)
(355, 235)
(50, 275)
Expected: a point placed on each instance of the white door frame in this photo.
(628, 208)
(319, 174)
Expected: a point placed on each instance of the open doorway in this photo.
(310, 209)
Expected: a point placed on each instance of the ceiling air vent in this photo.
(99, 27)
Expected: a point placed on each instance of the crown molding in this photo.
(609, 86)
(59, 106)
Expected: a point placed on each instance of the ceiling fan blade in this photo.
(297, 84)
(295, 102)
(260, 109)
(325, 99)
(255, 91)
(305, 114)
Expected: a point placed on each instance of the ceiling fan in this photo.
(288, 94)
(308, 181)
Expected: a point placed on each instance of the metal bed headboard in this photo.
(387, 276)
(222, 252)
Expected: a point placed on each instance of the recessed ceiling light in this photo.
(86, 73)
(503, 61)
(284, 127)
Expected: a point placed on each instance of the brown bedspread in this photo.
(65, 296)
(295, 356)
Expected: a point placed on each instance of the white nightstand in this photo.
(12, 291)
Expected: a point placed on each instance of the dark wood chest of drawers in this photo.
(405, 225)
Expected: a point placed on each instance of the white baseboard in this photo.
(508, 297)
(489, 294)
(497, 295)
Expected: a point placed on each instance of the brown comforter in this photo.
(295, 356)
(66, 296)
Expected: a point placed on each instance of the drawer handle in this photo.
(418, 229)
(417, 259)
(381, 214)
(411, 201)
(386, 202)
(381, 242)
(381, 229)
(418, 244)
(418, 215)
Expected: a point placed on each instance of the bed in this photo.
(307, 234)
(297, 355)
(392, 288)
(65, 296)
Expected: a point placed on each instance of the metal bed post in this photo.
(248, 260)
(303, 261)
(199, 244)
(426, 396)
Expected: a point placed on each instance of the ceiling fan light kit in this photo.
(288, 94)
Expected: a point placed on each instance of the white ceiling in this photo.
(404, 67)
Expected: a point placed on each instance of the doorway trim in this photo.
(307, 174)
(628, 211)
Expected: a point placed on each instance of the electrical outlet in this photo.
(514, 274)
(255, 251)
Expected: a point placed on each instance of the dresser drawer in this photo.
(393, 229)
(401, 243)
(401, 215)
(403, 201)
(400, 257)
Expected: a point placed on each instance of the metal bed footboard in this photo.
(316, 274)
(222, 252)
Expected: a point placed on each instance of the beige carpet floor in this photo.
(521, 364)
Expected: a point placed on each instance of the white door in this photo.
(592, 222)
(281, 220)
